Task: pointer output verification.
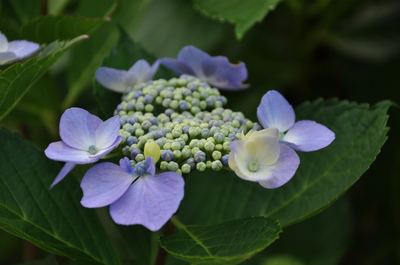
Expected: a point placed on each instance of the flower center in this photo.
(253, 166)
(93, 149)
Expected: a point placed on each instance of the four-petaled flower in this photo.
(85, 138)
(217, 70)
(261, 158)
(119, 80)
(15, 50)
(135, 195)
(305, 135)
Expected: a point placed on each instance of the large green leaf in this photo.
(45, 29)
(244, 14)
(51, 219)
(228, 243)
(322, 176)
(16, 80)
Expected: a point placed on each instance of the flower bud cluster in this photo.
(186, 93)
(188, 138)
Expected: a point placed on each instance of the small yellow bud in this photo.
(152, 149)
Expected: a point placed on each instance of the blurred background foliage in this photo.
(304, 48)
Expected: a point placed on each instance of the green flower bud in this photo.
(201, 166)
(149, 108)
(173, 166)
(186, 152)
(139, 132)
(139, 157)
(216, 155)
(195, 150)
(176, 133)
(216, 165)
(203, 105)
(184, 137)
(164, 165)
(209, 147)
(218, 147)
(193, 143)
(185, 168)
(208, 164)
(175, 146)
(177, 154)
(174, 104)
(139, 106)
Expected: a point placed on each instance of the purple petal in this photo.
(60, 151)
(141, 72)
(107, 132)
(78, 127)
(22, 48)
(64, 171)
(112, 79)
(193, 57)
(308, 136)
(283, 170)
(125, 164)
(177, 66)
(103, 184)
(7, 57)
(151, 168)
(222, 74)
(275, 111)
(150, 201)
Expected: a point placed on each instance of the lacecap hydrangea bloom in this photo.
(15, 50)
(215, 70)
(267, 156)
(85, 139)
(120, 80)
(261, 158)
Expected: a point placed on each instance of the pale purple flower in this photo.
(261, 158)
(217, 70)
(135, 195)
(119, 80)
(85, 139)
(15, 50)
(305, 135)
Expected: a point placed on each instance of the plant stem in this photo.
(162, 253)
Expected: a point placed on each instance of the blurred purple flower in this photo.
(261, 158)
(275, 111)
(85, 138)
(135, 195)
(217, 70)
(15, 50)
(120, 80)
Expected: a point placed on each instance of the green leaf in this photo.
(51, 219)
(49, 260)
(167, 26)
(244, 14)
(322, 176)
(95, 8)
(228, 243)
(25, 9)
(16, 80)
(45, 29)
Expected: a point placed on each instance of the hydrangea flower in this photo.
(119, 80)
(85, 138)
(135, 195)
(217, 70)
(261, 158)
(305, 135)
(15, 50)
